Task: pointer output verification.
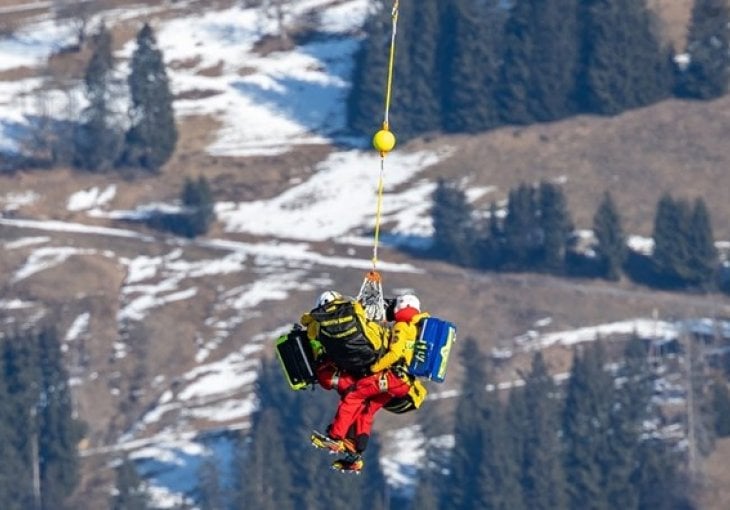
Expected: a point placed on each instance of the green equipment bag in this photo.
(297, 359)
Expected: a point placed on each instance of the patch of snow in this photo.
(137, 308)
(78, 228)
(120, 350)
(225, 377)
(646, 328)
(173, 465)
(642, 245)
(443, 394)
(13, 201)
(319, 208)
(230, 409)
(46, 258)
(26, 241)
(31, 45)
(345, 17)
(541, 323)
(682, 60)
(502, 353)
(403, 458)
(79, 326)
(140, 213)
(15, 304)
(90, 198)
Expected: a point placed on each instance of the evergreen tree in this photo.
(554, 59)
(721, 407)
(519, 44)
(212, 494)
(98, 140)
(374, 484)
(266, 462)
(702, 256)
(415, 106)
(556, 225)
(630, 411)
(43, 428)
(460, 491)
(11, 493)
(498, 470)
(367, 95)
(522, 236)
(130, 491)
(21, 377)
(453, 230)
(622, 64)
(59, 432)
(541, 55)
(488, 247)
(471, 65)
(432, 483)
(264, 457)
(426, 496)
(611, 249)
(708, 73)
(7, 442)
(586, 427)
(543, 479)
(703, 415)
(152, 137)
(671, 250)
(198, 198)
(657, 479)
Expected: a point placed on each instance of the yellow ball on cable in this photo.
(384, 141)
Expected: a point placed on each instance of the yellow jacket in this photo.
(402, 341)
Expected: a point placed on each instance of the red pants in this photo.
(328, 376)
(358, 406)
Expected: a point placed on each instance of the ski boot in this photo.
(351, 463)
(334, 446)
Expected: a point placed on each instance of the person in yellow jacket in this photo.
(389, 379)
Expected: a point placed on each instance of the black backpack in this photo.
(342, 334)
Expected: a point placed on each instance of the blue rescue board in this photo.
(432, 349)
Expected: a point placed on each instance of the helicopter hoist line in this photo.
(371, 291)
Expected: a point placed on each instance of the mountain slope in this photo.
(163, 335)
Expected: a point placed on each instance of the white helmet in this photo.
(327, 297)
(405, 301)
